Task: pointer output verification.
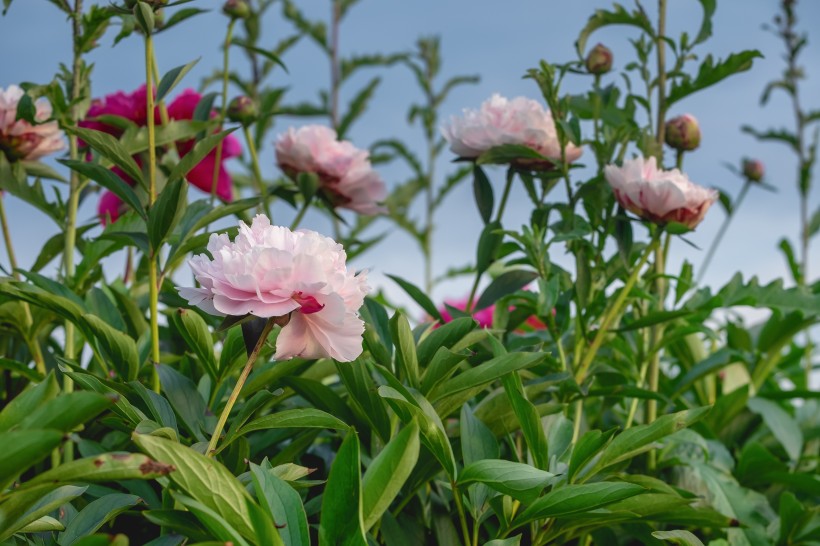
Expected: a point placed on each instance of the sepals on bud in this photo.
(599, 60)
(683, 133)
(753, 170)
(242, 110)
(236, 9)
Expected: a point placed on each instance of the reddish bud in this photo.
(683, 133)
(599, 60)
(753, 169)
(236, 9)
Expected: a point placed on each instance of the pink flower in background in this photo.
(132, 106)
(499, 121)
(20, 139)
(484, 317)
(657, 195)
(270, 271)
(346, 178)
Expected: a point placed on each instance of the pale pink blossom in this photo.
(657, 195)
(20, 139)
(271, 271)
(346, 177)
(500, 121)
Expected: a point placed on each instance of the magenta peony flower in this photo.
(20, 139)
(484, 317)
(499, 121)
(270, 271)
(132, 106)
(346, 177)
(657, 195)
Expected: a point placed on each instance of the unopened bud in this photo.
(599, 60)
(242, 110)
(753, 169)
(683, 133)
(236, 9)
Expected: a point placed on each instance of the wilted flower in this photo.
(753, 169)
(242, 110)
(271, 271)
(683, 133)
(657, 195)
(132, 106)
(20, 139)
(599, 60)
(500, 121)
(346, 178)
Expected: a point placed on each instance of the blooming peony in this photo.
(132, 106)
(484, 317)
(270, 271)
(500, 121)
(346, 178)
(657, 195)
(20, 139)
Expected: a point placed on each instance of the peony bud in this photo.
(599, 60)
(242, 110)
(683, 133)
(753, 169)
(236, 9)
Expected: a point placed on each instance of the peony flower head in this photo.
(271, 271)
(20, 139)
(346, 177)
(500, 121)
(657, 195)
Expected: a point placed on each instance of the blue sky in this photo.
(498, 41)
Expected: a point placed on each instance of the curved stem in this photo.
(224, 110)
(713, 247)
(257, 173)
(226, 411)
(28, 321)
(153, 288)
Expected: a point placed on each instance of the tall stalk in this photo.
(153, 288)
(223, 112)
(335, 23)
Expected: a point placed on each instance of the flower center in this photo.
(308, 303)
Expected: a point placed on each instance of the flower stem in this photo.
(257, 173)
(660, 44)
(461, 515)
(300, 216)
(225, 64)
(505, 195)
(28, 321)
(722, 232)
(655, 335)
(613, 312)
(226, 411)
(153, 288)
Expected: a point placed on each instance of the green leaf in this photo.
(24, 448)
(27, 506)
(357, 106)
(215, 522)
(529, 419)
(171, 78)
(185, 399)
(782, 425)
(110, 148)
(144, 15)
(520, 481)
(504, 284)
(509, 153)
(195, 156)
(269, 55)
(586, 448)
(102, 468)
(418, 296)
(195, 331)
(341, 520)
(406, 358)
(642, 438)
(387, 473)
(486, 373)
(68, 411)
(19, 368)
(489, 243)
(573, 499)
(106, 178)
(204, 479)
(685, 538)
(27, 401)
(45, 524)
(95, 514)
(284, 504)
(619, 16)
(711, 73)
(483, 192)
(120, 348)
(294, 418)
(166, 212)
(705, 31)
(445, 336)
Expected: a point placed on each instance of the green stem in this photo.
(576, 424)
(655, 335)
(710, 254)
(257, 172)
(505, 195)
(461, 515)
(224, 110)
(613, 312)
(473, 291)
(153, 288)
(300, 215)
(28, 321)
(660, 44)
(226, 411)
(430, 206)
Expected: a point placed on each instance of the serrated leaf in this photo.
(711, 72)
(619, 16)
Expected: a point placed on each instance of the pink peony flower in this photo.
(132, 106)
(499, 121)
(657, 195)
(484, 317)
(21, 140)
(270, 271)
(346, 177)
